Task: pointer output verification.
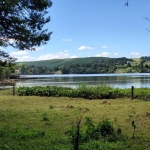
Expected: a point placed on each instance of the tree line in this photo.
(83, 66)
(91, 65)
(29, 70)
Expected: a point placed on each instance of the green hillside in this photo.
(88, 65)
(60, 62)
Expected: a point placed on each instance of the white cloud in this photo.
(1, 48)
(59, 55)
(105, 47)
(67, 40)
(135, 53)
(104, 54)
(85, 48)
(18, 53)
(11, 41)
(108, 47)
(26, 58)
(7, 40)
(115, 54)
(74, 56)
(22, 58)
(66, 51)
(39, 48)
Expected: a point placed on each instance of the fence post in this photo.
(132, 92)
(13, 89)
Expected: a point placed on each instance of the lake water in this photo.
(137, 80)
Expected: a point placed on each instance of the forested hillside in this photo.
(89, 65)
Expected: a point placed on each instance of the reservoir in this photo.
(137, 80)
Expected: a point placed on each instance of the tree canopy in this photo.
(6, 58)
(22, 23)
(7, 67)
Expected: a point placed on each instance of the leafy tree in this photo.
(128, 64)
(146, 66)
(5, 58)
(22, 22)
(1, 73)
(6, 65)
(141, 65)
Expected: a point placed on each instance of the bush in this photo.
(85, 91)
(98, 134)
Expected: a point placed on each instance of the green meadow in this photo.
(61, 123)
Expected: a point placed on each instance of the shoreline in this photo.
(7, 81)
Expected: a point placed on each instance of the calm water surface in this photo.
(74, 80)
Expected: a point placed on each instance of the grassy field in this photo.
(31, 122)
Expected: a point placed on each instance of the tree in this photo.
(22, 22)
(1, 72)
(5, 58)
(6, 65)
(128, 64)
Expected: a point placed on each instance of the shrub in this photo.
(85, 91)
(102, 131)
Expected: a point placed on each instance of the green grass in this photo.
(32, 122)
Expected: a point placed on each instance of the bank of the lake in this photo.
(6, 82)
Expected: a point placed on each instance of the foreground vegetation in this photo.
(85, 91)
(54, 123)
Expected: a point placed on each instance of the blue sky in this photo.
(87, 28)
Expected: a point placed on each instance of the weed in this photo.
(130, 116)
(51, 106)
(115, 119)
(103, 131)
(106, 128)
(134, 127)
(48, 123)
(147, 114)
(23, 134)
(37, 110)
(75, 135)
(2, 116)
(119, 131)
(45, 118)
(69, 106)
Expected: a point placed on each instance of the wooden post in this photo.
(13, 89)
(132, 92)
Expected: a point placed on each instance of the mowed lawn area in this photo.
(33, 122)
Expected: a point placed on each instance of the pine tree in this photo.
(22, 22)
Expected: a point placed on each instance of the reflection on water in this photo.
(72, 80)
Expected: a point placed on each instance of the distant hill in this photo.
(52, 63)
(84, 65)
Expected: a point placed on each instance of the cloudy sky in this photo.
(87, 28)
